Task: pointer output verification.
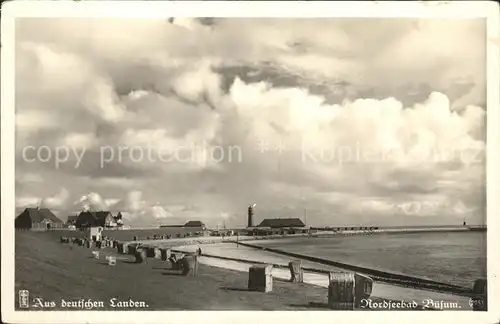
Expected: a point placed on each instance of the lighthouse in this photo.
(250, 215)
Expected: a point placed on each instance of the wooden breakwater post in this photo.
(260, 278)
(296, 271)
(479, 299)
(346, 290)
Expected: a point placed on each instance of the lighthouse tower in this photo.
(250, 215)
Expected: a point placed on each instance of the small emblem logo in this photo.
(24, 296)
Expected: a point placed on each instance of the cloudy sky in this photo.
(359, 121)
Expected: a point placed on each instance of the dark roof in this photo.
(119, 215)
(194, 224)
(97, 215)
(282, 222)
(72, 218)
(37, 215)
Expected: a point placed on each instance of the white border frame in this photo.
(145, 9)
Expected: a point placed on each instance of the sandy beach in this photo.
(60, 272)
(380, 290)
(56, 272)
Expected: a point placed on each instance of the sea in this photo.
(457, 258)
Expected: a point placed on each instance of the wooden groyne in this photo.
(376, 275)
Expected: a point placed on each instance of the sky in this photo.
(347, 121)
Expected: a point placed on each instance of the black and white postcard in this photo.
(322, 160)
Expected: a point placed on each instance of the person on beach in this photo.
(199, 250)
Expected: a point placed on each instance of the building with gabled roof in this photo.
(195, 224)
(281, 222)
(71, 219)
(119, 219)
(119, 216)
(38, 219)
(95, 218)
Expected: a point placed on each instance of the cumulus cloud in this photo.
(159, 212)
(313, 120)
(24, 202)
(92, 202)
(55, 201)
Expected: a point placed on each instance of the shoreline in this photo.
(318, 277)
(319, 234)
(377, 274)
(324, 266)
(56, 261)
(399, 279)
(253, 242)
